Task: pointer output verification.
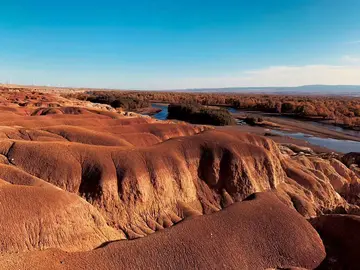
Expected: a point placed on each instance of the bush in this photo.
(198, 114)
(126, 103)
(287, 107)
(250, 120)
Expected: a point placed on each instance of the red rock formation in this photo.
(340, 234)
(140, 176)
(37, 218)
(256, 234)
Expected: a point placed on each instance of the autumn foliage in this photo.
(198, 114)
(338, 110)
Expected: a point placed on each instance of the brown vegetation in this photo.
(114, 100)
(343, 111)
(198, 114)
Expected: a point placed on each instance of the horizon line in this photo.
(10, 85)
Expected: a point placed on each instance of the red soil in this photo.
(76, 175)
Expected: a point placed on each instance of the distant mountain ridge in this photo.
(347, 90)
(317, 89)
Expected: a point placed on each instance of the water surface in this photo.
(346, 131)
(342, 146)
(163, 114)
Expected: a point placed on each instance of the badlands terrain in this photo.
(87, 186)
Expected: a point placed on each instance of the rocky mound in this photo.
(35, 218)
(258, 233)
(136, 186)
(157, 185)
(340, 234)
(351, 158)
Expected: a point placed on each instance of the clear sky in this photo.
(166, 44)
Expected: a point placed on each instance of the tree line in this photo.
(338, 110)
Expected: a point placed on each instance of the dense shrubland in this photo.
(335, 109)
(115, 101)
(198, 114)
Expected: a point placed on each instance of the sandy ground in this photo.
(293, 125)
(280, 139)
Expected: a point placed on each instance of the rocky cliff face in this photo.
(135, 187)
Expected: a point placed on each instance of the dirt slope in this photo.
(256, 234)
(35, 218)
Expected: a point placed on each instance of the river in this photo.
(343, 146)
(163, 114)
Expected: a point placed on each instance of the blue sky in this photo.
(179, 44)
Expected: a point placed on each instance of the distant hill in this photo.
(318, 89)
(343, 90)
